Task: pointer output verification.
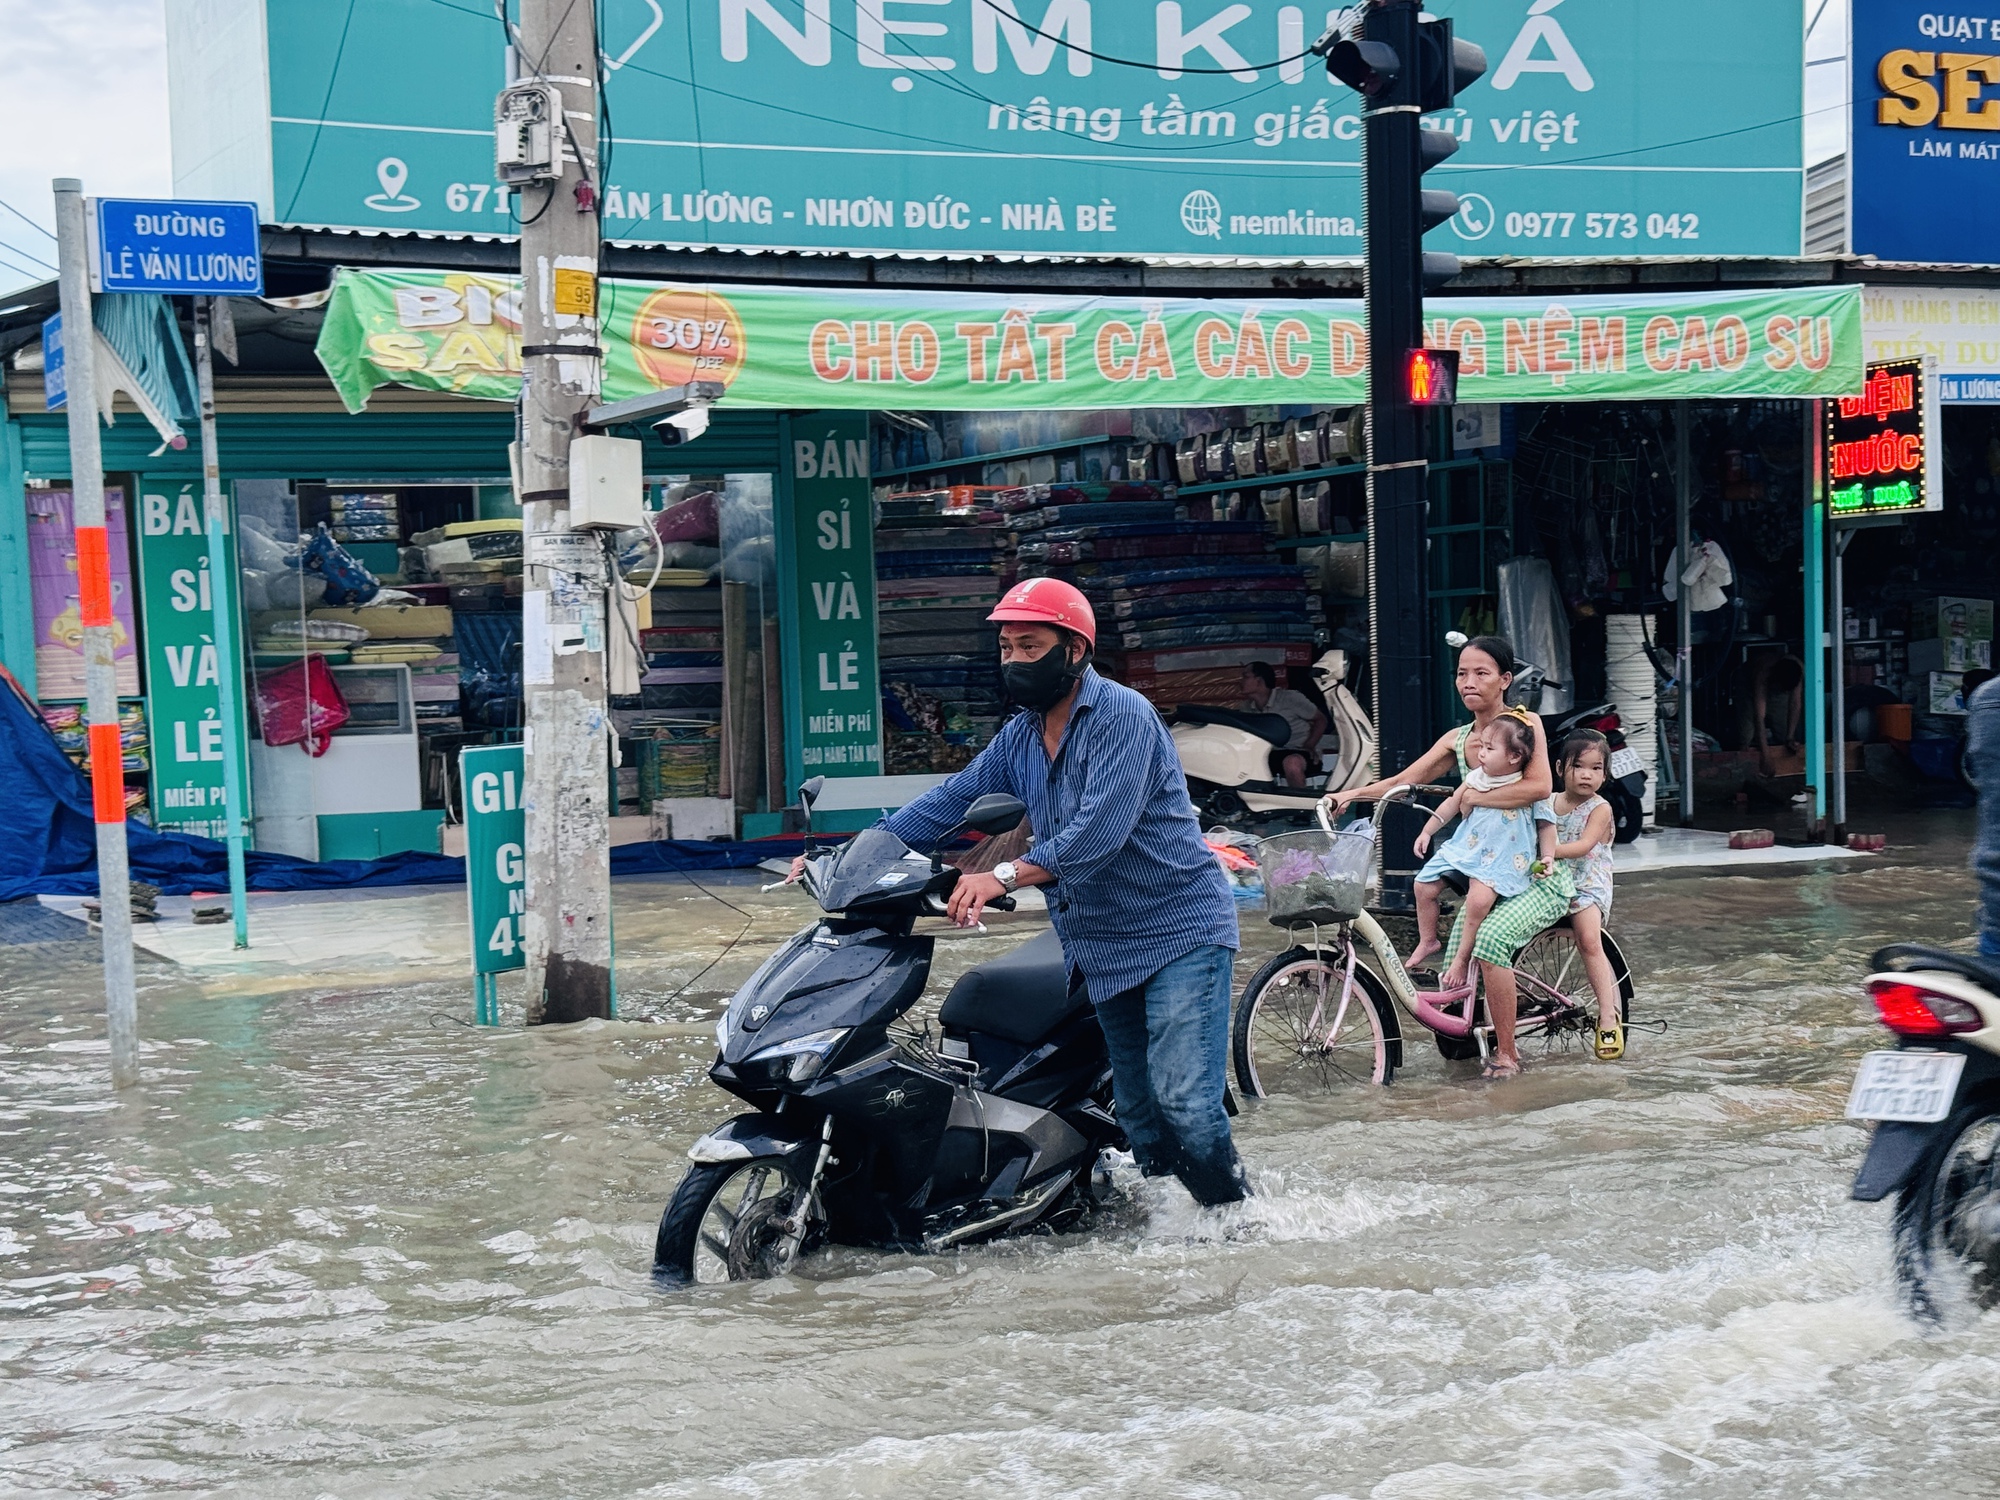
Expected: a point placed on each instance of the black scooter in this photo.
(863, 1135)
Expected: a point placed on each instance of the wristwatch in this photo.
(1004, 873)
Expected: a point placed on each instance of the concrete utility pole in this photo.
(568, 919)
(93, 578)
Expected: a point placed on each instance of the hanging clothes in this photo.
(1705, 577)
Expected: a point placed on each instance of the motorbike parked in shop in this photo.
(1934, 1100)
(864, 1135)
(1225, 753)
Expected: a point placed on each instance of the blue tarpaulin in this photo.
(48, 841)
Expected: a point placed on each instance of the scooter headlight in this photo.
(722, 1032)
(802, 1057)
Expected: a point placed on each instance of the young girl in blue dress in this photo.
(1500, 851)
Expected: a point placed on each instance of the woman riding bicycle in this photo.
(1485, 670)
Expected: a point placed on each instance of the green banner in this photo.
(496, 872)
(826, 560)
(183, 667)
(808, 349)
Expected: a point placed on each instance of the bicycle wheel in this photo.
(1300, 1027)
(1557, 1002)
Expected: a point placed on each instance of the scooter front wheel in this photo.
(725, 1223)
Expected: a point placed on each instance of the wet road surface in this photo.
(341, 1244)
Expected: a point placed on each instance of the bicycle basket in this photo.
(1316, 877)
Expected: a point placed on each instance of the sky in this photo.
(83, 93)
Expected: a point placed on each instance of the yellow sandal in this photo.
(1611, 1044)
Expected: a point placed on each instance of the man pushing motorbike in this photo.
(1139, 903)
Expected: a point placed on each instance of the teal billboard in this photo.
(1603, 128)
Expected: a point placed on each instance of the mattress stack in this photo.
(683, 647)
(480, 561)
(1178, 620)
(936, 581)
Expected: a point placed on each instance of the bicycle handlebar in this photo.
(1400, 789)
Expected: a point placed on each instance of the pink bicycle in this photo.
(1318, 1015)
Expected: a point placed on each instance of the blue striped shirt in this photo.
(1135, 885)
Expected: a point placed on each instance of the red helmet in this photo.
(1049, 601)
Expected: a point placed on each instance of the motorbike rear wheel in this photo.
(723, 1224)
(1290, 1034)
(1947, 1234)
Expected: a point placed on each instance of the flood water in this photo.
(341, 1244)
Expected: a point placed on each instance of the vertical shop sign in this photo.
(1881, 450)
(496, 871)
(826, 560)
(183, 668)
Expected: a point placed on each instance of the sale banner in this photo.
(808, 349)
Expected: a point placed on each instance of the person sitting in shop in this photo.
(1298, 757)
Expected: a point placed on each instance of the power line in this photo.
(33, 274)
(326, 103)
(1297, 168)
(26, 254)
(1127, 62)
(25, 219)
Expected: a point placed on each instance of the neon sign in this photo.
(1879, 453)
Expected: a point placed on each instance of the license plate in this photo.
(1914, 1086)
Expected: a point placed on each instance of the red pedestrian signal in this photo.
(1430, 377)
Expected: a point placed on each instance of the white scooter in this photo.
(1226, 753)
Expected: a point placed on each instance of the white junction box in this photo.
(607, 487)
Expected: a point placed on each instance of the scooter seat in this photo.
(1271, 728)
(1020, 996)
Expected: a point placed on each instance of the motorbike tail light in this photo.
(1911, 1010)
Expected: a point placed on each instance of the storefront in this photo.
(822, 579)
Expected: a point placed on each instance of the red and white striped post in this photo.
(93, 569)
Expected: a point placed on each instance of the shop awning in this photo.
(811, 349)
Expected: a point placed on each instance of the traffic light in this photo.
(1404, 65)
(1446, 67)
(1430, 377)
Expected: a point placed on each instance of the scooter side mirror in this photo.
(995, 813)
(809, 794)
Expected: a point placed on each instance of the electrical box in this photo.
(607, 487)
(527, 140)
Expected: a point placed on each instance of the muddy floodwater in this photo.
(341, 1244)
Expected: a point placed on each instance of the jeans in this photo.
(1982, 757)
(1169, 1045)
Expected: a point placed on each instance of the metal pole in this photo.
(216, 513)
(1837, 612)
(1683, 609)
(568, 919)
(1814, 560)
(93, 569)
(1397, 478)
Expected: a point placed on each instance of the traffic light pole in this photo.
(1398, 599)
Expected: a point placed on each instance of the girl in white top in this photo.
(1584, 832)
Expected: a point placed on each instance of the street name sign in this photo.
(175, 246)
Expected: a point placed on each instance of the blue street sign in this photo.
(55, 376)
(165, 245)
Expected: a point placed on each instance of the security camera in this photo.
(682, 426)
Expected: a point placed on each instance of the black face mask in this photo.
(1039, 685)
